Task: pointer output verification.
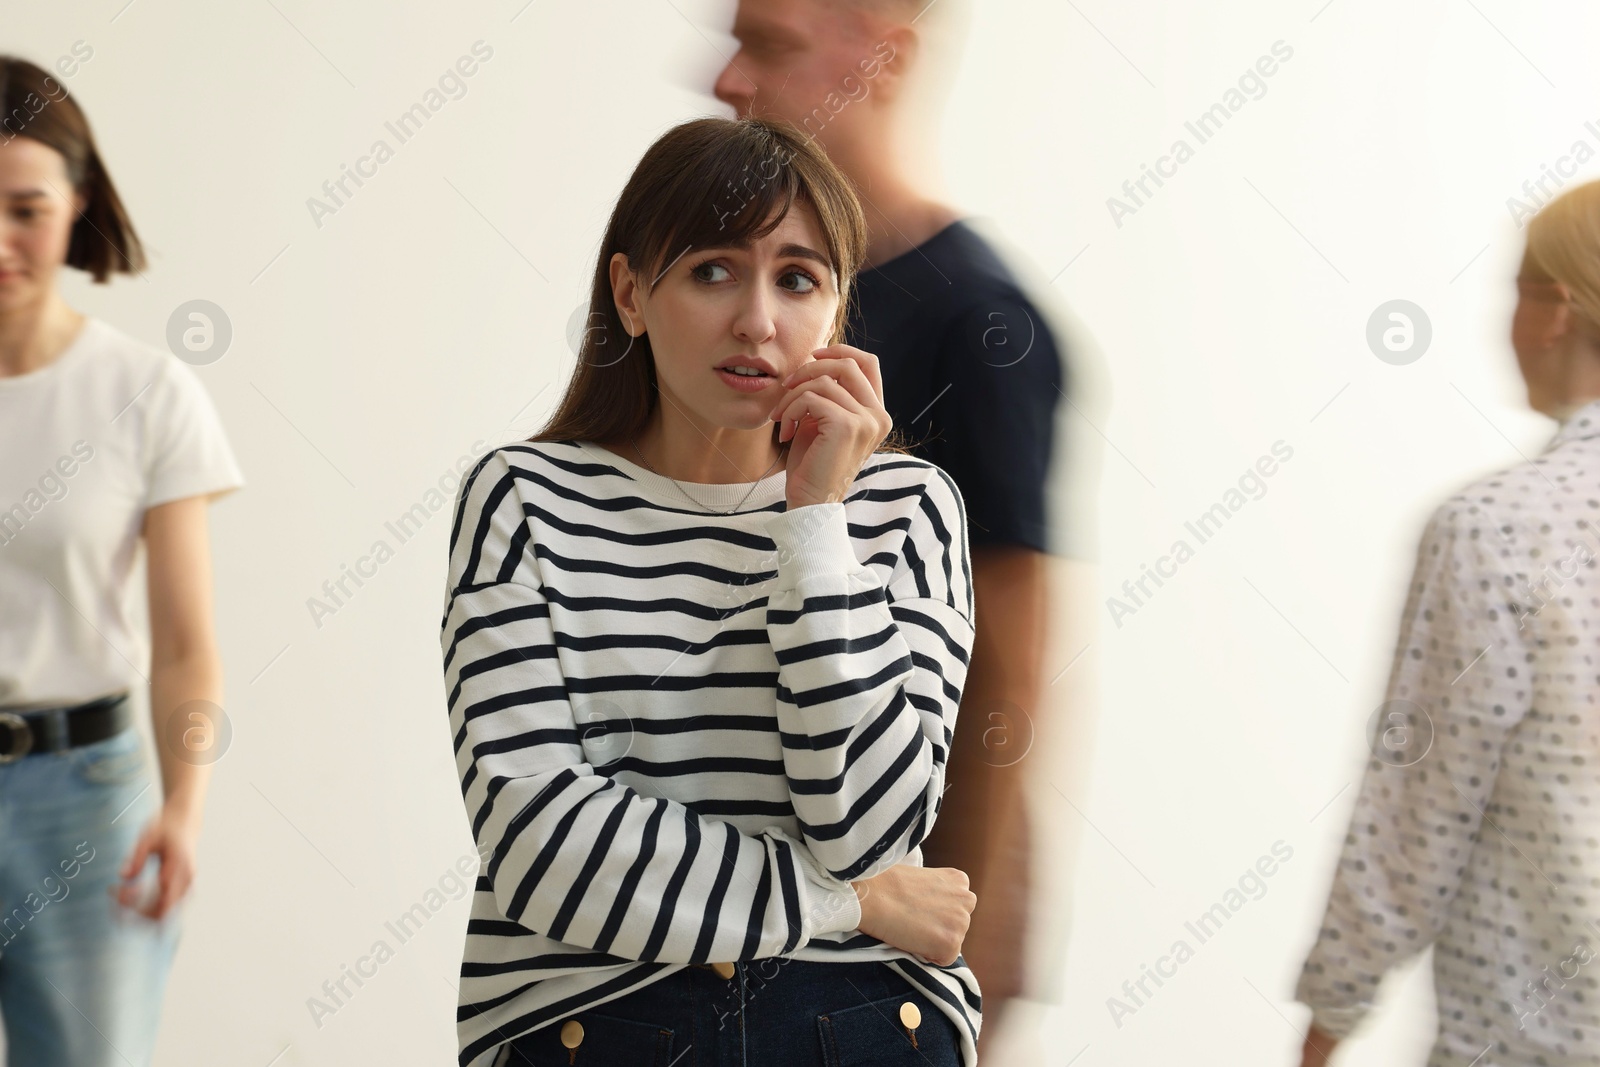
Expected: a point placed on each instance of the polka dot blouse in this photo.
(1476, 829)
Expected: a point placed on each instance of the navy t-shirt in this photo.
(971, 376)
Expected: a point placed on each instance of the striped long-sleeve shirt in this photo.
(680, 734)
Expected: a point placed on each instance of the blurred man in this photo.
(973, 378)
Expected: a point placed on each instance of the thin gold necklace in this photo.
(701, 504)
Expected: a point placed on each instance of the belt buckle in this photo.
(21, 736)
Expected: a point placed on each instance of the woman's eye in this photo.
(699, 271)
(806, 283)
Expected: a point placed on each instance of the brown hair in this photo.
(34, 104)
(1564, 246)
(708, 183)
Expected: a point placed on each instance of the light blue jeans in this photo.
(81, 977)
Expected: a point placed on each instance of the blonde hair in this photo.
(1564, 247)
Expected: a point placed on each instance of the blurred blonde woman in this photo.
(1477, 828)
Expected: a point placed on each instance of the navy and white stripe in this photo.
(680, 735)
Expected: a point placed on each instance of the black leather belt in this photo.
(32, 731)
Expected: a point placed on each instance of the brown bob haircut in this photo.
(708, 183)
(34, 104)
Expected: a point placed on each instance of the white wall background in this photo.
(431, 311)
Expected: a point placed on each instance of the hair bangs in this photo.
(732, 199)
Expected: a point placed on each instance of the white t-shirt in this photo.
(88, 442)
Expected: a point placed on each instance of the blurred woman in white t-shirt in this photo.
(105, 444)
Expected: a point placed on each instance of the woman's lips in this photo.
(746, 383)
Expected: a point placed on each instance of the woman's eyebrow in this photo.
(788, 251)
(802, 252)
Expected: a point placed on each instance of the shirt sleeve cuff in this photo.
(833, 906)
(1338, 1022)
(812, 540)
(835, 910)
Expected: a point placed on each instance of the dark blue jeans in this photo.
(772, 1013)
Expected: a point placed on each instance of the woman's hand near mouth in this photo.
(832, 413)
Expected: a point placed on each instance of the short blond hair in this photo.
(1564, 247)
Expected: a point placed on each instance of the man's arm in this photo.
(994, 433)
(997, 711)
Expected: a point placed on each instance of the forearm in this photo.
(589, 862)
(185, 733)
(186, 670)
(867, 694)
(999, 708)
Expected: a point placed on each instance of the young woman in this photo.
(104, 444)
(704, 643)
(1476, 828)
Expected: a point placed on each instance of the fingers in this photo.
(128, 892)
(173, 883)
(819, 382)
(172, 880)
(141, 851)
(824, 396)
(810, 400)
(859, 374)
(866, 360)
